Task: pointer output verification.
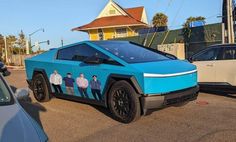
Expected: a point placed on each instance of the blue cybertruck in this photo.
(125, 77)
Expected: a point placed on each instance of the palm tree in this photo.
(160, 20)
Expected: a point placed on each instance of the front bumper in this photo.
(159, 101)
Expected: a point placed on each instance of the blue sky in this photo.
(58, 17)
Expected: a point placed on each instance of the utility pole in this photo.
(228, 20)
(29, 42)
(27, 47)
(6, 52)
(62, 42)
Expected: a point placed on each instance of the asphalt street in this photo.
(211, 118)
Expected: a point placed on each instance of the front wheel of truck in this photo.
(124, 102)
(40, 88)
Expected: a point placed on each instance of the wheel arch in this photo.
(117, 77)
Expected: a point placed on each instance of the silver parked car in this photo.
(15, 124)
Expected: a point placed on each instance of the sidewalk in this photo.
(16, 67)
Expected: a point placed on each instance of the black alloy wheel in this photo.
(121, 102)
(40, 88)
(124, 102)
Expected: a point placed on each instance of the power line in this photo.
(177, 13)
(168, 6)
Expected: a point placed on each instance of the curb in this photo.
(16, 67)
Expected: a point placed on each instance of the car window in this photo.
(207, 55)
(229, 53)
(81, 52)
(131, 53)
(5, 95)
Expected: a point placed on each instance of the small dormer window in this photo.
(112, 12)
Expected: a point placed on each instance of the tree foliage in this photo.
(186, 26)
(1, 44)
(11, 43)
(160, 20)
(15, 45)
(21, 40)
(192, 19)
(21, 43)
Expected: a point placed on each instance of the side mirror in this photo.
(6, 73)
(190, 59)
(22, 93)
(93, 60)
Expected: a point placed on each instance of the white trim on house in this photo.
(132, 30)
(114, 26)
(144, 16)
(108, 7)
(89, 35)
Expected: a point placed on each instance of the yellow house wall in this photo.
(109, 33)
(93, 34)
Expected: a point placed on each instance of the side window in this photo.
(229, 53)
(83, 51)
(207, 55)
(66, 53)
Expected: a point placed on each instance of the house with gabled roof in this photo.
(115, 21)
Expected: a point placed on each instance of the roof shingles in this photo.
(133, 18)
(136, 12)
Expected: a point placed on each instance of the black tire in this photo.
(124, 102)
(40, 88)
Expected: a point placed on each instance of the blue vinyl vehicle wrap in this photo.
(115, 74)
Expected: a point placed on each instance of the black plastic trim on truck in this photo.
(117, 77)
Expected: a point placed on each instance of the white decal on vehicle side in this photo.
(168, 75)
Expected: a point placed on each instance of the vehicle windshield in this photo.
(130, 52)
(5, 95)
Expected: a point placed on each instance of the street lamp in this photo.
(41, 29)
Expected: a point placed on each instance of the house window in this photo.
(121, 32)
(112, 12)
(100, 34)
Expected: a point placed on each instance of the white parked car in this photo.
(15, 124)
(217, 67)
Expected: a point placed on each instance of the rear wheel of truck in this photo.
(40, 88)
(124, 102)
